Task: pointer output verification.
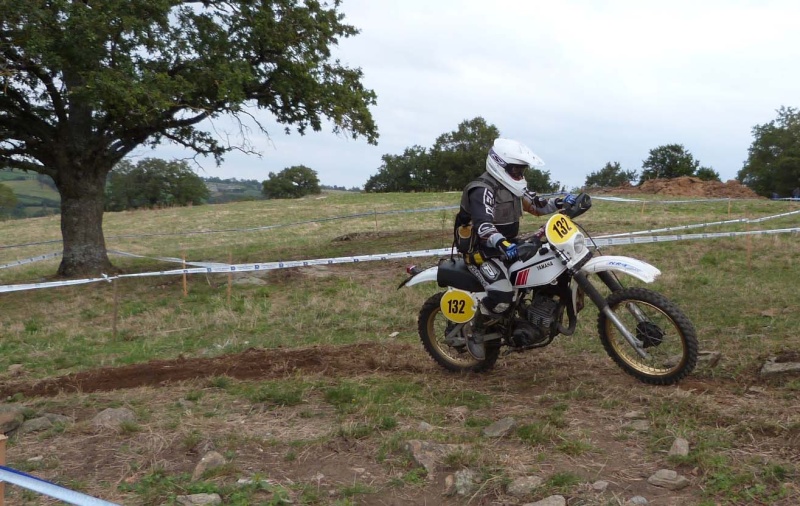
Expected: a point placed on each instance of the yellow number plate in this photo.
(560, 229)
(457, 306)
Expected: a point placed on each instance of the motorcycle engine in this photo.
(534, 327)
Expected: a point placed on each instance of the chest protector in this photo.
(507, 211)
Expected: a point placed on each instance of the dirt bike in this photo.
(645, 334)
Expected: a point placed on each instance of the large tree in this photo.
(409, 172)
(668, 161)
(153, 182)
(609, 176)
(291, 183)
(84, 82)
(773, 161)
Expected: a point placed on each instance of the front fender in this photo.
(627, 265)
(428, 274)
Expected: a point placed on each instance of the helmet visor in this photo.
(516, 171)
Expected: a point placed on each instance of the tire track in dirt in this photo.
(254, 363)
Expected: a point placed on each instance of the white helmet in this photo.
(507, 162)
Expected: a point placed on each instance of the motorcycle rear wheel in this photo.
(453, 356)
(668, 335)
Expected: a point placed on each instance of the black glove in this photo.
(509, 250)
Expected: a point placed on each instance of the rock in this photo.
(600, 486)
(465, 480)
(459, 413)
(774, 368)
(10, 421)
(56, 418)
(500, 428)
(35, 425)
(16, 370)
(708, 359)
(111, 418)
(639, 425)
(553, 500)
(248, 280)
(198, 499)
(669, 479)
(427, 454)
(680, 447)
(425, 427)
(636, 500)
(210, 460)
(633, 415)
(522, 487)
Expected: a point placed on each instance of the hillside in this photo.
(310, 386)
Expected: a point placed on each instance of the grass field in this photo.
(344, 382)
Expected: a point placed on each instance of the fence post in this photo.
(3, 440)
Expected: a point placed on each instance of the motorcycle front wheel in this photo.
(668, 337)
(446, 342)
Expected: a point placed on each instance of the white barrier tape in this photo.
(225, 268)
(363, 215)
(219, 269)
(31, 260)
(41, 486)
(167, 259)
(617, 241)
(254, 229)
(700, 225)
(623, 199)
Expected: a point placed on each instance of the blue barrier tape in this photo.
(41, 486)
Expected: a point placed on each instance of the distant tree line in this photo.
(151, 183)
(664, 162)
(455, 159)
(772, 166)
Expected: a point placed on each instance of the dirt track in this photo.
(250, 364)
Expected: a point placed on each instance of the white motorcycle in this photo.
(647, 335)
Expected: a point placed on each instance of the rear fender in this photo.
(425, 276)
(626, 265)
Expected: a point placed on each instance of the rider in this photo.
(493, 205)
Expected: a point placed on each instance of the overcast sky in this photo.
(581, 83)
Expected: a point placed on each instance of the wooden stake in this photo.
(376, 219)
(185, 286)
(116, 310)
(230, 277)
(643, 208)
(749, 242)
(3, 440)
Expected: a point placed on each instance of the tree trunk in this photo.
(82, 202)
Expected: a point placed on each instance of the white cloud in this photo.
(581, 82)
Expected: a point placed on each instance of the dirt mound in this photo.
(688, 186)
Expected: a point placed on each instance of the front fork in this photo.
(602, 305)
(613, 283)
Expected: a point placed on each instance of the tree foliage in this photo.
(707, 174)
(7, 199)
(773, 161)
(455, 159)
(668, 161)
(610, 176)
(154, 183)
(291, 183)
(87, 83)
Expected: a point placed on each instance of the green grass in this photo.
(739, 293)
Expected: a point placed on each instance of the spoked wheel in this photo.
(446, 341)
(667, 336)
